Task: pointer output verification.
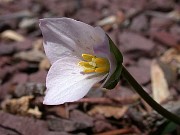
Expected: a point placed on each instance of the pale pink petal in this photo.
(103, 50)
(64, 37)
(66, 83)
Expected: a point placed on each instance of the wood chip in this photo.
(17, 106)
(12, 35)
(109, 111)
(44, 64)
(160, 88)
(35, 112)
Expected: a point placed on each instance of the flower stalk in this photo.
(137, 87)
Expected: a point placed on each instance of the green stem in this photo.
(137, 87)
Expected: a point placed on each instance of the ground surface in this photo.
(146, 31)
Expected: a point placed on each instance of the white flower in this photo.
(80, 57)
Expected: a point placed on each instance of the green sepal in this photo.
(115, 77)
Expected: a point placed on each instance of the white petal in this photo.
(102, 49)
(66, 83)
(64, 36)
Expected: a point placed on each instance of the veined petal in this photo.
(103, 50)
(66, 83)
(64, 36)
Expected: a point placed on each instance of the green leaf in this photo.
(165, 128)
(171, 126)
(115, 77)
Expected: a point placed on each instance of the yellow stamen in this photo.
(101, 69)
(87, 57)
(85, 64)
(94, 64)
(89, 70)
(101, 62)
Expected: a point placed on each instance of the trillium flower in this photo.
(81, 56)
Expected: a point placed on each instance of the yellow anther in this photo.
(85, 64)
(87, 57)
(89, 70)
(101, 62)
(101, 69)
(94, 64)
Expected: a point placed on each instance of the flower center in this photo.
(94, 64)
